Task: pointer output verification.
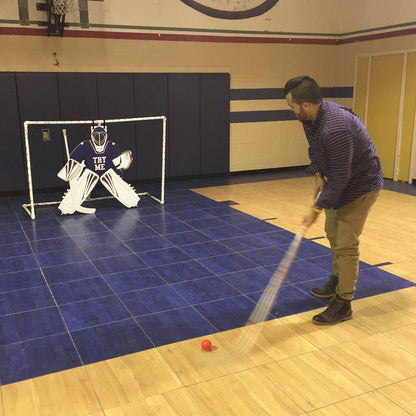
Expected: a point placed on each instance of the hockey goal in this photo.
(46, 126)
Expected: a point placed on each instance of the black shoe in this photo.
(339, 310)
(328, 291)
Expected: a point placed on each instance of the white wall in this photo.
(366, 14)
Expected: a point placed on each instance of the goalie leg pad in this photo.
(120, 189)
(79, 190)
(72, 170)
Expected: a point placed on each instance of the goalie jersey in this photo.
(97, 162)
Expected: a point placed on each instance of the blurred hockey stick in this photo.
(249, 334)
(81, 209)
(265, 304)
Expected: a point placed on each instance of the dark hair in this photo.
(303, 89)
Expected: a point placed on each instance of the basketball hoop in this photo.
(63, 6)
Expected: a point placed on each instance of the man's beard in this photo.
(302, 115)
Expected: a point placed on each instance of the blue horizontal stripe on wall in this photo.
(256, 116)
(277, 93)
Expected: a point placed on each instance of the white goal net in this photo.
(42, 131)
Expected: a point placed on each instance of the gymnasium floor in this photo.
(122, 299)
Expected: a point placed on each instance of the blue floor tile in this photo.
(133, 280)
(95, 238)
(123, 223)
(6, 219)
(80, 290)
(172, 228)
(265, 256)
(156, 299)
(21, 280)
(100, 251)
(10, 228)
(13, 250)
(245, 243)
(158, 219)
(68, 272)
(247, 281)
(17, 264)
(93, 312)
(310, 249)
(207, 249)
(374, 281)
(27, 359)
(227, 313)
(277, 238)
(180, 207)
(53, 244)
(164, 256)
(310, 284)
(144, 211)
(173, 326)
(192, 215)
(291, 300)
(134, 233)
(149, 243)
(186, 238)
(29, 325)
(86, 228)
(220, 233)
(203, 223)
(55, 258)
(38, 224)
(302, 271)
(227, 263)
(46, 233)
(180, 272)
(205, 290)
(12, 238)
(25, 300)
(111, 340)
(325, 262)
(119, 264)
(114, 215)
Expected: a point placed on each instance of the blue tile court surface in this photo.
(84, 288)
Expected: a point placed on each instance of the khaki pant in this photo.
(343, 227)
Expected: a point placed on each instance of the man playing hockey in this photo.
(93, 160)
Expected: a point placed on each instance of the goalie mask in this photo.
(99, 139)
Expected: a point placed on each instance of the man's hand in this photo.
(311, 217)
(319, 184)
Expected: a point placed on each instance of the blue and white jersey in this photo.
(97, 162)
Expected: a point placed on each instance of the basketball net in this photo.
(63, 6)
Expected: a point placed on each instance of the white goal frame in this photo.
(30, 207)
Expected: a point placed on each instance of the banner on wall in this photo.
(231, 9)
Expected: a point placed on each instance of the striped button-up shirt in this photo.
(342, 151)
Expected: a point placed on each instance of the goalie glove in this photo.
(120, 189)
(124, 160)
(72, 170)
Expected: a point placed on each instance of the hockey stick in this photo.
(81, 209)
(268, 298)
(265, 304)
(249, 334)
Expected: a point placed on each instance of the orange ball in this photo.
(206, 345)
